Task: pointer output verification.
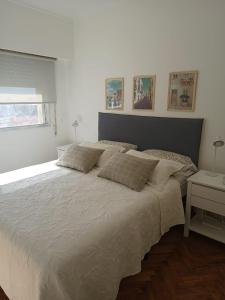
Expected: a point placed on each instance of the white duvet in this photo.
(65, 235)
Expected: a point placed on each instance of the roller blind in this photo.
(26, 79)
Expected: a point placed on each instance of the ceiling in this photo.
(68, 8)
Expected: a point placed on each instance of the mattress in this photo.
(68, 235)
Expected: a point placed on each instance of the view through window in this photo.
(22, 107)
(14, 115)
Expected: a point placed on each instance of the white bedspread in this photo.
(65, 235)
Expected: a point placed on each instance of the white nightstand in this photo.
(208, 194)
(61, 149)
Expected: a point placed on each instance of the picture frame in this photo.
(182, 91)
(114, 93)
(144, 92)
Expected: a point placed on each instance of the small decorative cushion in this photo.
(163, 170)
(128, 170)
(109, 151)
(80, 158)
(106, 155)
(127, 146)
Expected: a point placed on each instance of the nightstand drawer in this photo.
(206, 204)
(208, 193)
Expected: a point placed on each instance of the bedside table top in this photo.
(203, 178)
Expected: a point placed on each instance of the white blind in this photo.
(26, 79)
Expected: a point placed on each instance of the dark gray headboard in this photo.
(180, 135)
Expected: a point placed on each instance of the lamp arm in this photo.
(75, 133)
(214, 165)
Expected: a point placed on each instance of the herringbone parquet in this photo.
(178, 269)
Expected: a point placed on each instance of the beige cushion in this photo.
(106, 155)
(163, 170)
(127, 146)
(131, 171)
(80, 158)
(109, 151)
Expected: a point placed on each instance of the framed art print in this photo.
(144, 92)
(114, 93)
(182, 91)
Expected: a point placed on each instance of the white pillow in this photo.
(189, 167)
(127, 146)
(163, 170)
(98, 145)
(109, 151)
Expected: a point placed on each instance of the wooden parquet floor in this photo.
(177, 268)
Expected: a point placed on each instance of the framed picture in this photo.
(182, 91)
(114, 93)
(144, 92)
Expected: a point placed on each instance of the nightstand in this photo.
(208, 194)
(61, 149)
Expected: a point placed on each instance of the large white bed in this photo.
(65, 235)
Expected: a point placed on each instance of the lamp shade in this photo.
(218, 142)
(75, 123)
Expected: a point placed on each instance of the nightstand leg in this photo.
(188, 211)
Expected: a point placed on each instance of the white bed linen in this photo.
(67, 235)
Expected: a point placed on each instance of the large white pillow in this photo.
(163, 170)
(127, 146)
(189, 167)
(101, 146)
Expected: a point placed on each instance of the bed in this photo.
(68, 235)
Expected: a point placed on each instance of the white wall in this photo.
(27, 30)
(153, 37)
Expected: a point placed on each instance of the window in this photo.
(23, 108)
(15, 115)
(27, 87)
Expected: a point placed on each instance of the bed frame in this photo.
(180, 135)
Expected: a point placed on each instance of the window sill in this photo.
(25, 127)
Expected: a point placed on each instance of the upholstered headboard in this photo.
(180, 135)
